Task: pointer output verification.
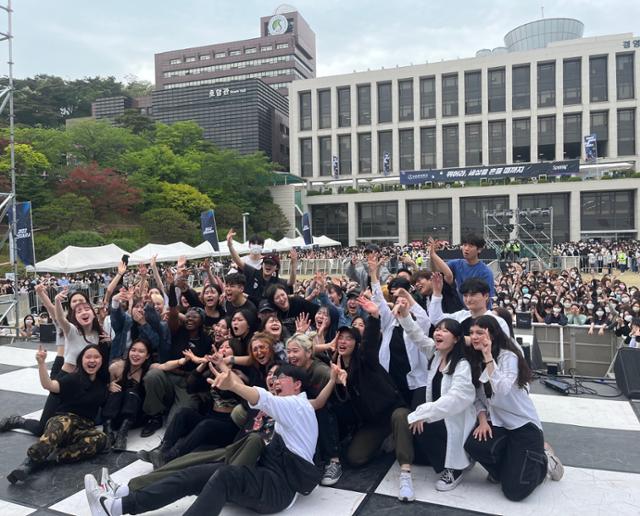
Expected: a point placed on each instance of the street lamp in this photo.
(244, 226)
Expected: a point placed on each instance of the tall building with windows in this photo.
(532, 101)
(284, 52)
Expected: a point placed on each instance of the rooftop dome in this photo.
(539, 33)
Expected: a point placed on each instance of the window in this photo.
(306, 158)
(561, 215)
(546, 84)
(384, 102)
(520, 87)
(220, 54)
(344, 153)
(496, 80)
(405, 100)
(600, 127)
(427, 147)
(472, 93)
(429, 217)
(546, 138)
(251, 50)
(280, 46)
(472, 213)
(497, 142)
(324, 109)
(406, 149)
(626, 132)
(450, 95)
(427, 97)
(385, 144)
(305, 110)
(607, 211)
(266, 48)
(473, 144)
(572, 135)
(450, 146)
(344, 107)
(364, 153)
(190, 59)
(324, 144)
(331, 220)
(521, 136)
(378, 220)
(205, 57)
(177, 60)
(364, 104)
(235, 52)
(624, 76)
(572, 81)
(598, 91)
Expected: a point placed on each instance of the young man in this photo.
(285, 468)
(234, 293)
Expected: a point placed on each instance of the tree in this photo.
(101, 142)
(109, 192)
(31, 174)
(166, 225)
(136, 87)
(64, 213)
(180, 137)
(81, 238)
(183, 198)
(159, 162)
(135, 122)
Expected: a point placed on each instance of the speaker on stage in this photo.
(523, 320)
(47, 333)
(627, 371)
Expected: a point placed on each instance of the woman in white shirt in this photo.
(508, 441)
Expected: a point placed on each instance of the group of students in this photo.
(265, 393)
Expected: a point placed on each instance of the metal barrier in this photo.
(571, 347)
(308, 267)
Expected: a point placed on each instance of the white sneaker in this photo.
(100, 502)
(555, 469)
(107, 484)
(406, 494)
(449, 479)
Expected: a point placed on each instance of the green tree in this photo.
(180, 137)
(101, 142)
(45, 245)
(159, 162)
(166, 225)
(135, 122)
(64, 213)
(136, 87)
(31, 174)
(183, 198)
(81, 238)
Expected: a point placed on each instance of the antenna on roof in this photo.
(542, 9)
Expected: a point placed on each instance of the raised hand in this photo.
(401, 308)
(230, 236)
(154, 260)
(41, 354)
(369, 306)
(303, 323)
(293, 254)
(62, 295)
(437, 283)
(182, 263)
(338, 374)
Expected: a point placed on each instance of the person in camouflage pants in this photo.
(68, 438)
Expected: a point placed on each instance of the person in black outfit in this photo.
(290, 307)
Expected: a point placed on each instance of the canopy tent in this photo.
(164, 252)
(78, 259)
(205, 249)
(321, 241)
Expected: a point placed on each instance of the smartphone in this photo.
(125, 259)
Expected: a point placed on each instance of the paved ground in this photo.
(596, 438)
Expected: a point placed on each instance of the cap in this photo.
(273, 258)
(354, 293)
(265, 306)
(372, 248)
(352, 331)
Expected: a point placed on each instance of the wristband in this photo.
(232, 360)
(488, 362)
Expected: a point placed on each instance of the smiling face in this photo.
(358, 324)
(210, 297)
(138, 353)
(286, 386)
(225, 349)
(321, 317)
(268, 268)
(261, 352)
(273, 327)
(91, 361)
(476, 335)
(297, 355)
(345, 344)
(84, 314)
(281, 300)
(444, 339)
(239, 325)
(220, 331)
(192, 320)
(234, 292)
(475, 301)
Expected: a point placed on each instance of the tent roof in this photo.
(77, 259)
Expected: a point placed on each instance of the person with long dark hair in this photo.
(508, 441)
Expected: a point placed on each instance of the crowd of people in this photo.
(267, 385)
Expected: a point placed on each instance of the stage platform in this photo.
(596, 438)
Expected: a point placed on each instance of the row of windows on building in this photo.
(228, 78)
(225, 53)
(236, 65)
(603, 213)
(472, 81)
(449, 140)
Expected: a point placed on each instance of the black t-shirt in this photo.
(436, 386)
(230, 309)
(297, 306)
(256, 284)
(81, 396)
(399, 365)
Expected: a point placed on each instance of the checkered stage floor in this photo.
(597, 439)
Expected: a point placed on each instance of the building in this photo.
(247, 116)
(112, 107)
(284, 52)
(534, 104)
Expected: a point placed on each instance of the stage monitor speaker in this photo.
(47, 333)
(523, 320)
(627, 370)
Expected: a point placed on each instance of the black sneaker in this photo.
(154, 423)
(449, 479)
(332, 473)
(11, 422)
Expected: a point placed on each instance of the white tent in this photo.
(205, 249)
(77, 259)
(164, 252)
(322, 241)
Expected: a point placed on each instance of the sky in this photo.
(80, 38)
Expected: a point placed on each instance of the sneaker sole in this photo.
(407, 500)
(329, 482)
(448, 487)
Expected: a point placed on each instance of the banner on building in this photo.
(591, 148)
(306, 229)
(520, 170)
(386, 163)
(335, 167)
(24, 232)
(209, 229)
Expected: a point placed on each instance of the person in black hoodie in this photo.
(373, 398)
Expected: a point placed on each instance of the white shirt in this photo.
(75, 343)
(295, 420)
(510, 406)
(436, 315)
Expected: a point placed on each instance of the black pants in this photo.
(126, 404)
(193, 430)
(259, 489)
(50, 406)
(514, 457)
(430, 447)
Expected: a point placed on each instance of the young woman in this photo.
(274, 327)
(289, 307)
(29, 327)
(213, 312)
(442, 424)
(123, 408)
(244, 324)
(70, 435)
(508, 441)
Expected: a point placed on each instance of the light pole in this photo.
(244, 226)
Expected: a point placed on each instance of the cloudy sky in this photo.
(78, 38)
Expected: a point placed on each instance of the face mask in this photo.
(607, 309)
(525, 290)
(625, 299)
(628, 318)
(255, 249)
(507, 301)
(636, 308)
(525, 301)
(556, 310)
(567, 305)
(598, 291)
(599, 313)
(590, 306)
(534, 299)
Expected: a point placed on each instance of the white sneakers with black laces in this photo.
(102, 496)
(406, 493)
(449, 479)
